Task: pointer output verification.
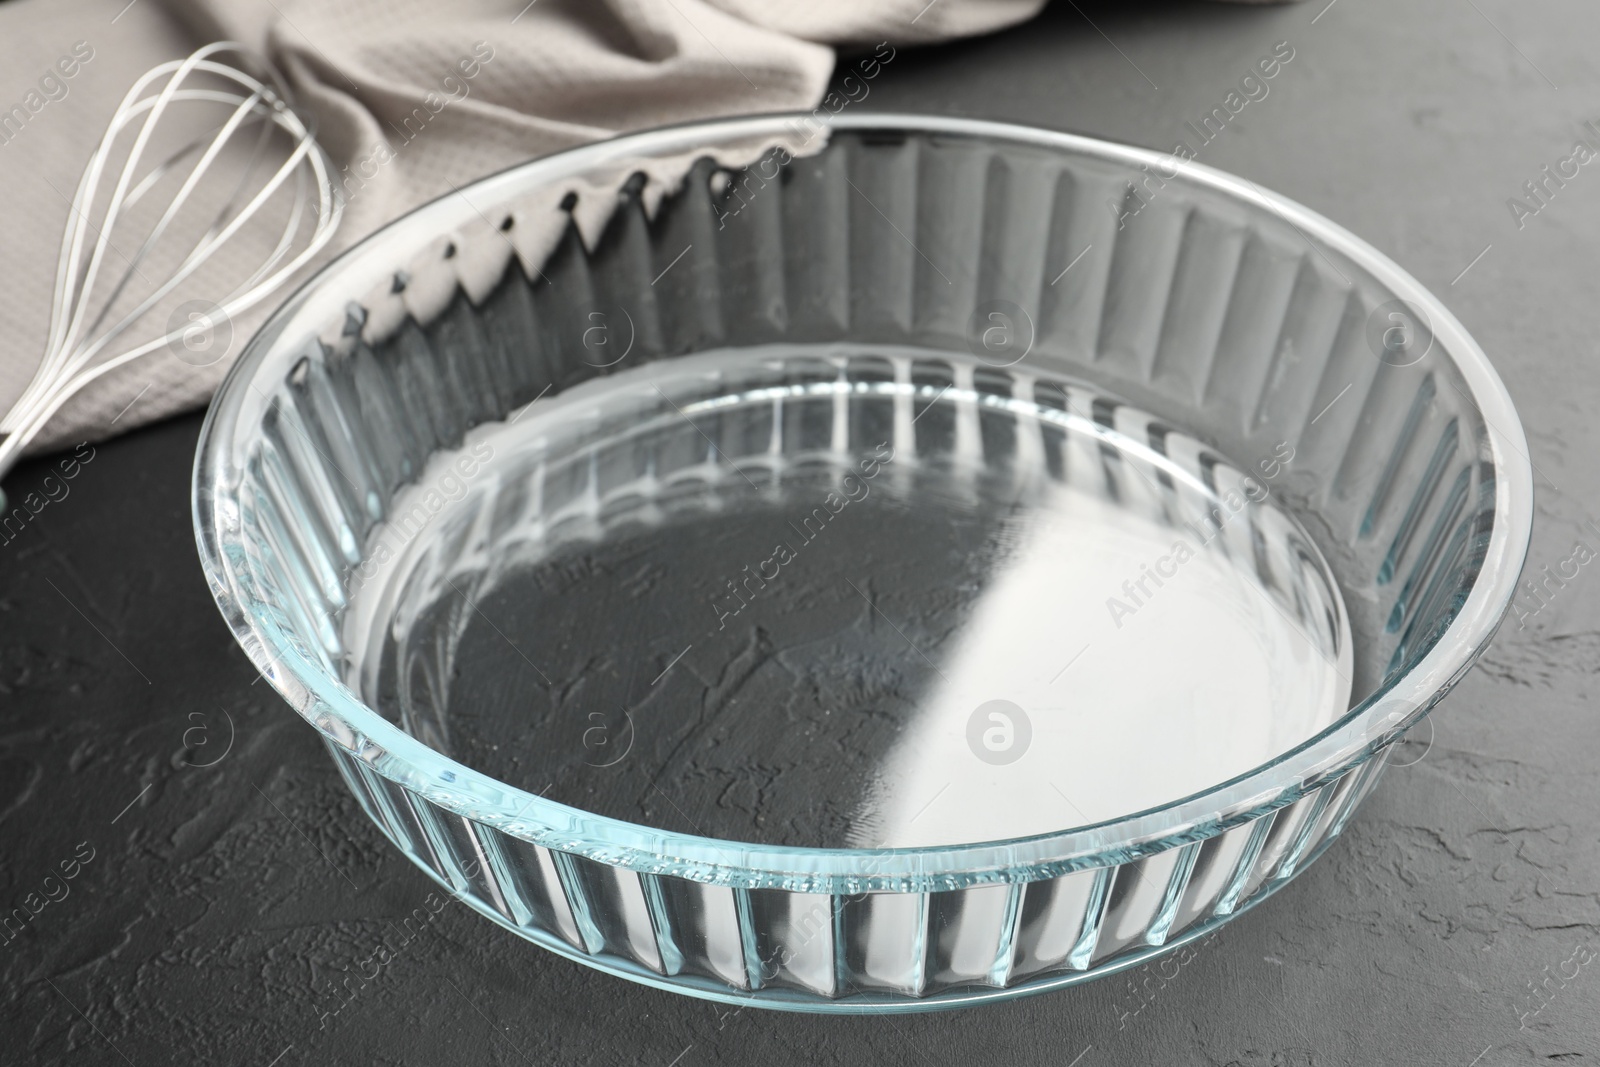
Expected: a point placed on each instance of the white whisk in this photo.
(79, 331)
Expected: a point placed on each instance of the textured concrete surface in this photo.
(221, 877)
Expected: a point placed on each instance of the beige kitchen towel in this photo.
(411, 98)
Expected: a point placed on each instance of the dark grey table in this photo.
(219, 891)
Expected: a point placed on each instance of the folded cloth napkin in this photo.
(411, 98)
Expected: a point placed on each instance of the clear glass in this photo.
(460, 494)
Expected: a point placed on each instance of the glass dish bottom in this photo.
(712, 597)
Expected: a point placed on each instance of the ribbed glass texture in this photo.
(1190, 295)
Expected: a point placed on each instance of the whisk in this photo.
(83, 327)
